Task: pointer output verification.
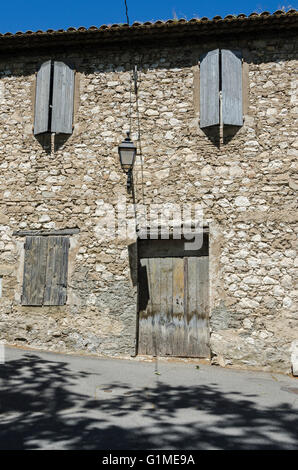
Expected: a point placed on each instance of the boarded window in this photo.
(54, 99)
(45, 270)
(221, 74)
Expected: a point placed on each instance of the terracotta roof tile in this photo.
(253, 21)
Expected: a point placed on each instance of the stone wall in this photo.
(243, 178)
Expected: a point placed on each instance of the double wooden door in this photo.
(173, 301)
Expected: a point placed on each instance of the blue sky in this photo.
(23, 15)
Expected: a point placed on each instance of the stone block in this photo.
(294, 357)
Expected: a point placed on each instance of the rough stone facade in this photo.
(245, 179)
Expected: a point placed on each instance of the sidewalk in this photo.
(55, 401)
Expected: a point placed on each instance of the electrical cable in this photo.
(139, 132)
(126, 12)
(134, 81)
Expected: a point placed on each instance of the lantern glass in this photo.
(127, 157)
(127, 153)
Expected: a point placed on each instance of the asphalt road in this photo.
(55, 401)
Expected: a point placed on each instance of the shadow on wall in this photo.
(49, 146)
(133, 262)
(40, 408)
(213, 134)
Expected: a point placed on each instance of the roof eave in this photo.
(151, 32)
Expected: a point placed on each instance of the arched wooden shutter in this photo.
(42, 99)
(209, 89)
(232, 113)
(63, 99)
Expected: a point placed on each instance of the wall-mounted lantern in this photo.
(127, 154)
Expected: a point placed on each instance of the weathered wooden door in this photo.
(173, 300)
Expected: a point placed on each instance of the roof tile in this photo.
(241, 19)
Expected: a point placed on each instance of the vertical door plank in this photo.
(149, 318)
(42, 99)
(232, 113)
(145, 314)
(34, 271)
(63, 99)
(203, 305)
(166, 304)
(192, 312)
(154, 274)
(56, 272)
(209, 89)
(176, 339)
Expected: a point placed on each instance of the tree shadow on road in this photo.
(40, 408)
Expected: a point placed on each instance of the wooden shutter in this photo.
(209, 89)
(63, 99)
(232, 113)
(56, 272)
(42, 98)
(45, 270)
(34, 270)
